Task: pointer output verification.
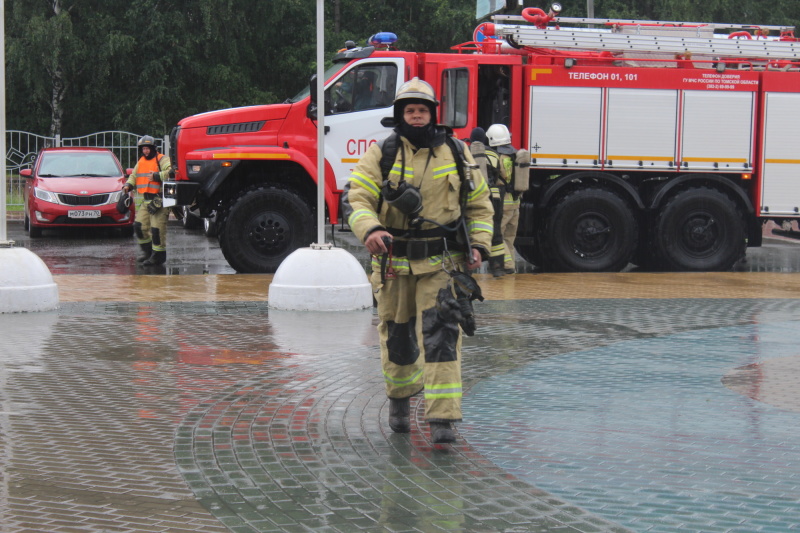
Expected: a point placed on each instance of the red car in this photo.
(75, 187)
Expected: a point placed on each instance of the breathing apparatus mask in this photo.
(405, 198)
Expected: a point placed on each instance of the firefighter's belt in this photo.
(416, 249)
(150, 195)
(425, 233)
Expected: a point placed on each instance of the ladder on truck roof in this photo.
(692, 39)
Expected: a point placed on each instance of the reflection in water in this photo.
(409, 497)
(24, 336)
(317, 332)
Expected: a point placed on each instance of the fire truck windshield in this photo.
(331, 71)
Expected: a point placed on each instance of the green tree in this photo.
(60, 53)
(79, 66)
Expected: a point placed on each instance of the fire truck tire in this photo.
(530, 253)
(210, 226)
(590, 230)
(700, 229)
(262, 227)
(190, 220)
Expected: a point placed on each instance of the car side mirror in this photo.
(311, 110)
(26, 172)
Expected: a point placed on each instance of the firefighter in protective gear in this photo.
(500, 140)
(420, 346)
(498, 191)
(150, 225)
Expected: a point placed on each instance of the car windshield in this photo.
(75, 164)
(333, 69)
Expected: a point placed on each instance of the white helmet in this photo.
(498, 135)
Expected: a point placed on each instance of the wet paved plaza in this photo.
(594, 403)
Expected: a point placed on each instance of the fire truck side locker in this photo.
(718, 130)
(780, 161)
(564, 128)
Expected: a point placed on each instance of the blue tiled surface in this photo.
(580, 416)
(644, 433)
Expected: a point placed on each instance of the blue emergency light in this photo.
(384, 38)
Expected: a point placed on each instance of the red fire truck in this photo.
(660, 143)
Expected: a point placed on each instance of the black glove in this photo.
(447, 307)
(467, 322)
(157, 177)
(124, 203)
(154, 205)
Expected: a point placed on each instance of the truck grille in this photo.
(173, 146)
(242, 127)
(73, 199)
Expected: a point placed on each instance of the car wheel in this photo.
(127, 231)
(26, 223)
(262, 227)
(34, 231)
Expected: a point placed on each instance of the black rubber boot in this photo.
(442, 433)
(147, 249)
(399, 410)
(158, 258)
(496, 266)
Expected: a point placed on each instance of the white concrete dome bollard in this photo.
(320, 279)
(26, 284)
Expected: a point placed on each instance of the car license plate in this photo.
(83, 213)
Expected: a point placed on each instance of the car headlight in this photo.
(47, 196)
(114, 197)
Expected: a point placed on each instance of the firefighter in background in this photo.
(500, 141)
(150, 225)
(489, 160)
(409, 207)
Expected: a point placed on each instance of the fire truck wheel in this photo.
(190, 220)
(529, 253)
(591, 230)
(527, 239)
(700, 229)
(210, 226)
(262, 227)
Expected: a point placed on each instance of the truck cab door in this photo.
(476, 91)
(455, 87)
(355, 102)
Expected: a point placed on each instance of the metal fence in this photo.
(22, 148)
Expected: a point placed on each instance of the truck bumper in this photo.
(179, 192)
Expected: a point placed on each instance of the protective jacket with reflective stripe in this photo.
(434, 172)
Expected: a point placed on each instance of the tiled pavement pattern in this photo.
(621, 406)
